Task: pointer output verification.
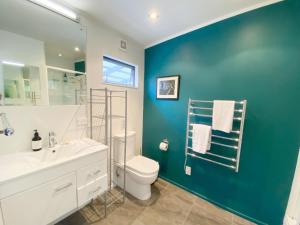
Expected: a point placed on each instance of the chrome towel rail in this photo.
(212, 161)
(210, 116)
(199, 110)
(233, 131)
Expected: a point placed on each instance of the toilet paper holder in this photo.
(164, 144)
(165, 140)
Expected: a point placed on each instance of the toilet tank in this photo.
(118, 146)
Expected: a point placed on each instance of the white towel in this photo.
(201, 138)
(223, 112)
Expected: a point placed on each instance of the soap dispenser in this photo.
(36, 141)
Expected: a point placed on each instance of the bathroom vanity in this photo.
(39, 188)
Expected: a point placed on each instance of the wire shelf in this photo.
(105, 97)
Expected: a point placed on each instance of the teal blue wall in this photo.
(254, 56)
(79, 66)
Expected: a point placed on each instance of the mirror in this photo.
(42, 56)
(66, 87)
(21, 85)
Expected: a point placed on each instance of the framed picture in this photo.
(167, 87)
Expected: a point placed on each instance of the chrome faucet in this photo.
(52, 140)
(7, 129)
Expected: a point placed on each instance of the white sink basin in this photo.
(17, 162)
(62, 152)
(22, 163)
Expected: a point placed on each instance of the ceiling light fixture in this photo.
(56, 8)
(77, 49)
(13, 63)
(153, 15)
(60, 55)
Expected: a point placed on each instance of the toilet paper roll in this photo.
(163, 146)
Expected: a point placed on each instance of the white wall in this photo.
(63, 120)
(102, 40)
(16, 48)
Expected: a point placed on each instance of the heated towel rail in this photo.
(225, 148)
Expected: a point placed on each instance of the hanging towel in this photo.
(201, 138)
(223, 112)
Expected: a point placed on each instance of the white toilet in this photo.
(141, 171)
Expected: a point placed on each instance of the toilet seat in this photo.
(143, 165)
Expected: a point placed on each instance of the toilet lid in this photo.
(143, 165)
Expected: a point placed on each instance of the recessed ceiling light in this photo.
(77, 49)
(60, 55)
(153, 15)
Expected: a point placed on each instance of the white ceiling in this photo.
(130, 17)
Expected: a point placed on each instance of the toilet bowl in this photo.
(140, 171)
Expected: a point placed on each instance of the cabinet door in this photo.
(91, 173)
(91, 190)
(43, 204)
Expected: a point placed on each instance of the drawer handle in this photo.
(97, 172)
(95, 191)
(63, 187)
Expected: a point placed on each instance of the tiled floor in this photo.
(169, 205)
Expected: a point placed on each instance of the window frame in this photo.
(124, 63)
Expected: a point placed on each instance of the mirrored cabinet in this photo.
(42, 61)
(66, 87)
(20, 85)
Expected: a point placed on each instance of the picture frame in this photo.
(167, 87)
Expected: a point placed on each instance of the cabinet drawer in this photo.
(42, 204)
(91, 190)
(91, 173)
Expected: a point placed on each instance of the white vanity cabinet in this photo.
(91, 190)
(91, 181)
(50, 193)
(42, 204)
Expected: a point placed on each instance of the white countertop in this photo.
(20, 164)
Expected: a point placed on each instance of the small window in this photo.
(117, 72)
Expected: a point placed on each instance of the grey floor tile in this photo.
(168, 205)
(161, 182)
(172, 208)
(217, 212)
(149, 216)
(76, 218)
(137, 222)
(200, 217)
(201, 202)
(240, 221)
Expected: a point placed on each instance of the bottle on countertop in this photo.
(36, 143)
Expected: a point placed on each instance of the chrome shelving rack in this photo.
(102, 117)
(229, 145)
